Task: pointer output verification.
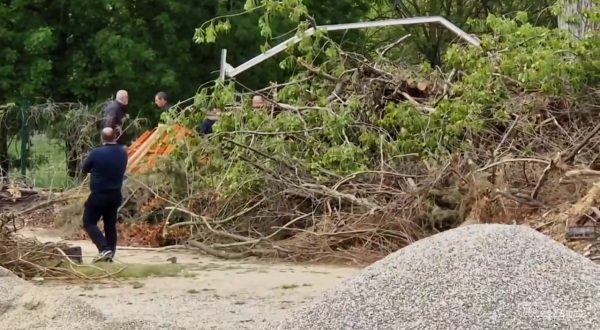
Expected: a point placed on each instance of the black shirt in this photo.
(113, 114)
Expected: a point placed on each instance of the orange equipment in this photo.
(152, 144)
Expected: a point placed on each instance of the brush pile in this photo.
(27, 257)
(357, 156)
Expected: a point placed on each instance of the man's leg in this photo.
(91, 214)
(109, 217)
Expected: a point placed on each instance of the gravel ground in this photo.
(25, 306)
(473, 277)
(223, 296)
(210, 294)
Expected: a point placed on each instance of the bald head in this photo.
(122, 97)
(108, 135)
(258, 101)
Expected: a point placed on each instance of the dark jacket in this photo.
(205, 127)
(165, 107)
(113, 114)
(107, 165)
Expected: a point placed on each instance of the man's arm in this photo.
(88, 163)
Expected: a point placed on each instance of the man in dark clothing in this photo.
(107, 165)
(162, 102)
(205, 128)
(115, 115)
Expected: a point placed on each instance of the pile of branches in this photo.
(359, 156)
(11, 194)
(27, 257)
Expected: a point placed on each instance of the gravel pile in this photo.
(473, 277)
(10, 289)
(26, 306)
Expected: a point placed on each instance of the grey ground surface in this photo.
(210, 294)
(474, 277)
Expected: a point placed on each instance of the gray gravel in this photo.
(10, 289)
(473, 277)
(25, 306)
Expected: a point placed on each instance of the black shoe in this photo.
(104, 256)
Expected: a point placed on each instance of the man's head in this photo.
(122, 97)
(108, 135)
(258, 101)
(160, 99)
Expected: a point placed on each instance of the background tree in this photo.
(251, 26)
(578, 16)
(85, 51)
(431, 41)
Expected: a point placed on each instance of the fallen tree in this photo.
(357, 156)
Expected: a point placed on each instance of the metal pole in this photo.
(360, 25)
(24, 137)
(222, 71)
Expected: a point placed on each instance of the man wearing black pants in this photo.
(107, 165)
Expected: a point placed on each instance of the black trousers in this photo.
(103, 205)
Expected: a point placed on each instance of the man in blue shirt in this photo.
(107, 165)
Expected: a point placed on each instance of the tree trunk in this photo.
(573, 20)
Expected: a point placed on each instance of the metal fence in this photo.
(40, 162)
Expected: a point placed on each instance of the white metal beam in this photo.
(232, 72)
(223, 64)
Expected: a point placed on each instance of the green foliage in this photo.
(46, 165)
(521, 57)
(431, 41)
(325, 141)
(86, 51)
(246, 30)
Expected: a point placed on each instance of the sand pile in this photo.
(473, 277)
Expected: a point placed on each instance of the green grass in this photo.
(129, 271)
(49, 163)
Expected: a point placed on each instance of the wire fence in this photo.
(39, 158)
(45, 166)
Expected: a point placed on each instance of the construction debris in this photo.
(157, 142)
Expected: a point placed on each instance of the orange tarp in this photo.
(152, 144)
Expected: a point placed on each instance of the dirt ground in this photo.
(211, 294)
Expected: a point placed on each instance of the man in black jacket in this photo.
(107, 165)
(115, 114)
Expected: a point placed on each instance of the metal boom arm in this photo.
(228, 70)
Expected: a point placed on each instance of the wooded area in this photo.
(370, 139)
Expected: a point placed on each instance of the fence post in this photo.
(24, 137)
